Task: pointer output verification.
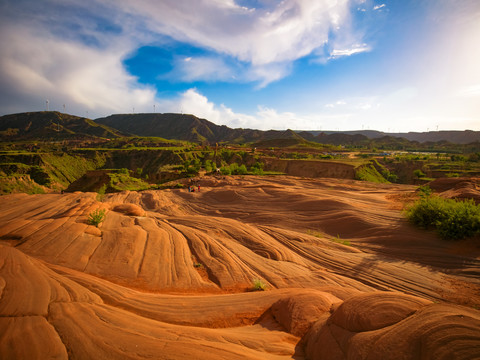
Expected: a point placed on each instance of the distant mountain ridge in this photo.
(51, 125)
(453, 136)
(190, 128)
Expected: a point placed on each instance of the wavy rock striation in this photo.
(169, 274)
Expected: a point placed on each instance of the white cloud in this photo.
(268, 73)
(82, 77)
(355, 49)
(201, 68)
(364, 106)
(337, 103)
(284, 31)
(263, 118)
(193, 102)
(377, 7)
(267, 39)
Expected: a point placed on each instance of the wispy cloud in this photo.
(282, 31)
(377, 7)
(268, 39)
(355, 49)
(201, 68)
(335, 104)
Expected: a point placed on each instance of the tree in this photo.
(419, 173)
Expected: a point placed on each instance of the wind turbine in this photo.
(47, 104)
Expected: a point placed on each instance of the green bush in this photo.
(96, 217)
(208, 166)
(234, 169)
(259, 285)
(242, 170)
(418, 174)
(424, 191)
(225, 170)
(452, 219)
(257, 168)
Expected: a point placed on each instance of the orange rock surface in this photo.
(169, 275)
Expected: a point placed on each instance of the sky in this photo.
(392, 65)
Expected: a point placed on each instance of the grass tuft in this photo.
(259, 285)
(96, 217)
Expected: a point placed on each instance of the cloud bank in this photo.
(72, 53)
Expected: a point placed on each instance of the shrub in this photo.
(257, 168)
(234, 169)
(208, 166)
(419, 174)
(389, 176)
(259, 285)
(225, 170)
(424, 191)
(96, 217)
(242, 170)
(452, 219)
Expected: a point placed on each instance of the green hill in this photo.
(52, 126)
(190, 128)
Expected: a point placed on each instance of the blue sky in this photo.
(388, 65)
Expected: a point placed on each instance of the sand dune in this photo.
(169, 275)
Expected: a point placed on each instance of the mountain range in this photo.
(52, 125)
(453, 136)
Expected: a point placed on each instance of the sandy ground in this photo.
(169, 275)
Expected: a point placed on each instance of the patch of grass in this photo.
(121, 181)
(451, 218)
(96, 217)
(19, 184)
(337, 239)
(340, 241)
(259, 285)
(65, 169)
(368, 172)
